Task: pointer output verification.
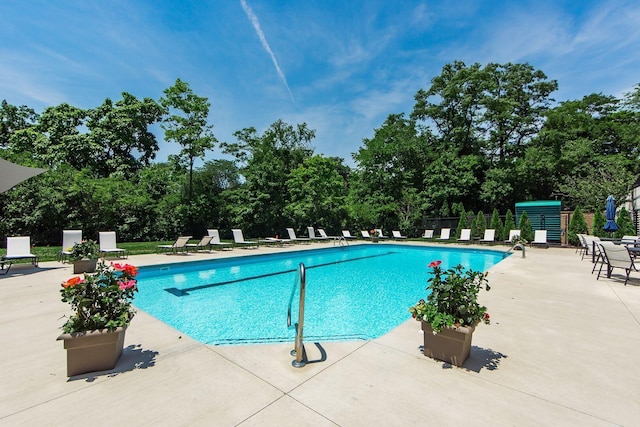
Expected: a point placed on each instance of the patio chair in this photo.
(180, 245)
(238, 239)
(365, 234)
(108, 244)
(293, 238)
(512, 235)
(323, 234)
(629, 240)
(581, 243)
(18, 247)
(215, 238)
(69, 238)
(589, 245)
(445, 234)
(428, 234)
(204, 243)
(489, 236)
(380, 234)
(465, 235)
(598, 255)
(397, 235)
(312, 235)
(617, 256)
(347, 234)
(540, 238)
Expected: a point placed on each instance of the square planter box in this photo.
(451, 345)
(84, 266)
(92, 351)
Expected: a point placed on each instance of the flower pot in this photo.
(375, 239)
(449, 345)
(93, 351)
(84, 266)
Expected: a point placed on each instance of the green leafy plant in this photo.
(87, 249)
(101, 300)
(453, 301)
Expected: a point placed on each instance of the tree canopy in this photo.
(479, 138)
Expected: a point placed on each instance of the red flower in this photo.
(72, 282)
(434, 264)
(130, 270)
(486, 316)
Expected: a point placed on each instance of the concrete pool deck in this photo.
(562, 349)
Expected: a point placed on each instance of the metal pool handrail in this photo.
(298, 350)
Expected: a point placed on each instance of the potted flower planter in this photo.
(451, 345)
(93, 350)
(451, 312)
(102, 309)
(84, 266)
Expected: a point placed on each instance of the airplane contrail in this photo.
(256, 25)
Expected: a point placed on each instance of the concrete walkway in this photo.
(562, 349)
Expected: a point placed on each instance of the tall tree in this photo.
(58, 138)
(318, 192)
(121, 129)
(390, 169)
(186, 125)
(265, 163)
(13, 119)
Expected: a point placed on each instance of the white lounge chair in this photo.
(465, 235)
(540, 238)
(365, 234)
(69, 238)
(18, 247)
(312, 235)
(445, 234)
(215, 238)
(489, 236)
(180, 245)
(108, 244)
(588, 245)
(512, 235)
(324, 235)
(238, 239)
(380, 234)
(347, 234)
(428, 234)
(617, 256)
(204, 243)
(396, 235)
(293, 238)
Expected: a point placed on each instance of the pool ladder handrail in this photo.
(341, 240)
(298, 351)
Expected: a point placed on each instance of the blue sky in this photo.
(339, 66)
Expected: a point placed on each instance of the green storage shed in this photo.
(543, 215)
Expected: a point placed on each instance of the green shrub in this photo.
(496, 223)
(577, 225)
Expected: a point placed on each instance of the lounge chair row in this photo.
(19, 247)
(106, 241)
(540, 236)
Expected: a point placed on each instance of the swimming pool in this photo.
(355, 293)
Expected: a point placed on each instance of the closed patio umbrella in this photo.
(611, 225)
(12, 174)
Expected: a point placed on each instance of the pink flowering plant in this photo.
(453, 301)
(101, 300)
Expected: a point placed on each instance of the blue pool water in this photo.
(360, 292)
